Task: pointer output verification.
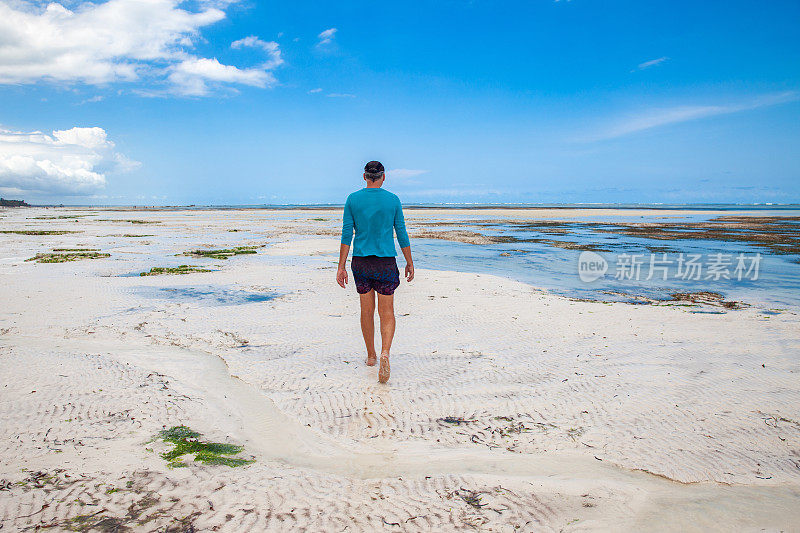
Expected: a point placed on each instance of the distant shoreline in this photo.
(533, 207)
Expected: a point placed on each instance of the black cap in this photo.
(373, 167)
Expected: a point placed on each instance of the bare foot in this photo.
(372, 359)
(383, 371)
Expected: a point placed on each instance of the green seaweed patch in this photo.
(472, 498)
(186, 441)
(67, 257)
(455, 420)
(128, 235)
(76, 249)
(38, 232)
(59, 217)
(182, 269)
(707, 298)
(95, 521)
(101, 521)
(128, 220)
(223, 253)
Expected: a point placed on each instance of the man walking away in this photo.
(375, 214)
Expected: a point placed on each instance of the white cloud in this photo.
(191, 77)
(314, 91)
(401, 173)
(270, 47)
(326, 37)
(67, 162)
(133, 41)
(656, 117)
(93, 99)
(340, 95)
(651, 63)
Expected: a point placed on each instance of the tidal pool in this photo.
(206, 294)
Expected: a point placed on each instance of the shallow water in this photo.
(205, 294)
(556, 269)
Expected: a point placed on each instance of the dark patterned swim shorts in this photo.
(373, 272)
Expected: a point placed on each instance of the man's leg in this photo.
(386, 313)
(368, 325)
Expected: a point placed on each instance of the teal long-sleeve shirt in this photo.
(375, 214)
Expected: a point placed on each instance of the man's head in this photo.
(374, 173)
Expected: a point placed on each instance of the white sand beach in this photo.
(509, 408)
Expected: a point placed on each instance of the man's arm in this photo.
(402, 239)
(347, 223)
(400, 228)
(344, 249)
(341, 272)
(409, 262)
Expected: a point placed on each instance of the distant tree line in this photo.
(12, 203)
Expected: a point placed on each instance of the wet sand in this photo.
(509, 408)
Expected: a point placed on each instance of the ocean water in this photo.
(775, 284)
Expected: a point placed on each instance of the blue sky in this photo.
(220, 102)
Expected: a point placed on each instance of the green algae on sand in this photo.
(128, 235)
(71, 255)
(707, 298)
(128, 220)
(59, 217)
(223, 253)
(182, 269)
(37, 232)
(186, 441)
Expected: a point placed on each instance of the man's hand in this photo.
(341, 271)
(341, 277)
(409, 271)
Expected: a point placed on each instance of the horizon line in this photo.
(435, 205)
